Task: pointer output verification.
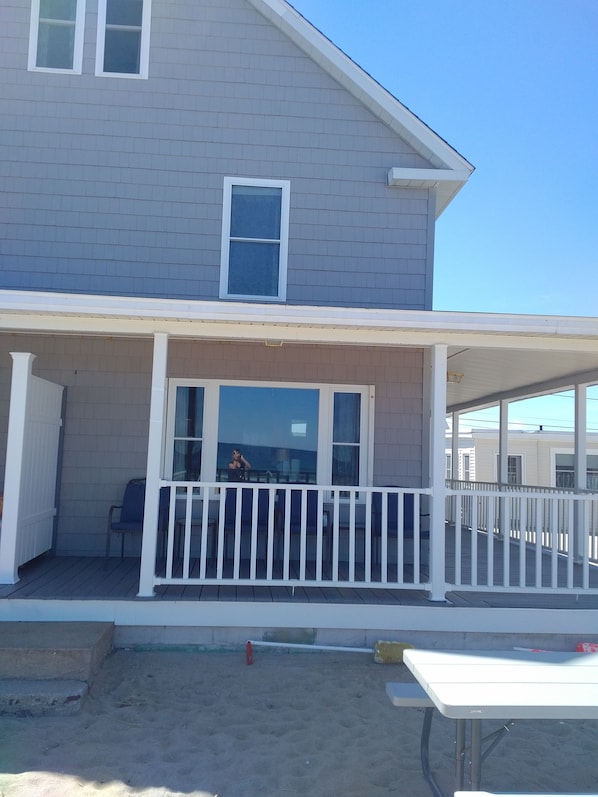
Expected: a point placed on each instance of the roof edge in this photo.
(41, 303)
(362, 86)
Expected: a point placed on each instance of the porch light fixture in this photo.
(454, 377)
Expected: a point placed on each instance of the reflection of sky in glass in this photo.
(265, 422)
(265, 416)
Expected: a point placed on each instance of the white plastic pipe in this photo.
(295, 645)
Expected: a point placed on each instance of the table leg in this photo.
(476, 754)
(425, 753)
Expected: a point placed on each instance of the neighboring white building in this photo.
(538, 458)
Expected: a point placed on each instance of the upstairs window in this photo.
(56, 35)
(123, 38)
(254, 239)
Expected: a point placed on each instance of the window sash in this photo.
(56, 36)
(123, 38)
(254, 248)
(334, 458)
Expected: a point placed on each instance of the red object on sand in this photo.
(249, 653)
(587, 647)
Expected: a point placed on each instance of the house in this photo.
(540, 457)
(218, 233)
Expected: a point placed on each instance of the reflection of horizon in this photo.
(273, 458)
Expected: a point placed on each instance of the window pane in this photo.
(253, 269)
(124, 12)
(122, 51)
(186, 464)
(55, 45)
(58, 9)
(255, 212)
(347, 411)
(189, 412)
(345, 465)
(276, 430)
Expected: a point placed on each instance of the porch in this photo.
(497, 545)
(492, 539)
(83, 578)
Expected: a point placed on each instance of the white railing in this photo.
(514, 537)
(291, 535)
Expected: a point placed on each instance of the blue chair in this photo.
(130, 517)
(246, 510)
(392, 517)
(311, 519)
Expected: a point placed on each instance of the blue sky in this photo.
(511, 85)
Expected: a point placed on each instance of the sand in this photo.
(166, 723)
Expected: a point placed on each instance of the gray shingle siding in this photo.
(108, 383)
(114, 186)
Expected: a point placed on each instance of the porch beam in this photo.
(437, 472)
(154, 459)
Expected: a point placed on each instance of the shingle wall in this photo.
(108, 385)
(114, 186)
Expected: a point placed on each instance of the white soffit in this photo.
(446, 182)
(369, 92)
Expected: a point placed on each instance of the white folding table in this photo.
(470, 686)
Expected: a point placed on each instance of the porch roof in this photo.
(500, 356)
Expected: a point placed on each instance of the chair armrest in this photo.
(111, 513)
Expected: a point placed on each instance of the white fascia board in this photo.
(367, 90)
(446, 182)
(33, 311)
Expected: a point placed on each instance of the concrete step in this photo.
(31, 698)
(48, 667)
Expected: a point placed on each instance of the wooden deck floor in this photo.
(94, 578)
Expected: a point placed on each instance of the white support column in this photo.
(455, 446)
(22, 363)
(454, 459)
(503, 442)
(154, 463)
(580, 466)
(581, 437)
(503, 467)
(437, 470)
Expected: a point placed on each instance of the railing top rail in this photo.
(459, 484)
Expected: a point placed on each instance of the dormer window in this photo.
(254, 239)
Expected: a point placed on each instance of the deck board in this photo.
(95, 578)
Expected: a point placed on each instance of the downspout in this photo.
(154, 464)
(437, 472)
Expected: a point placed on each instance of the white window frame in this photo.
(143, 73)
(325, 442)
(77, 43)
(285, 185)
(511, 455)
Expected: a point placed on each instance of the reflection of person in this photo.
(238, 467)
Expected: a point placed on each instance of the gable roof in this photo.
(449, 170)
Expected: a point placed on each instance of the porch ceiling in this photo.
(490, 375)
(500, 356)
